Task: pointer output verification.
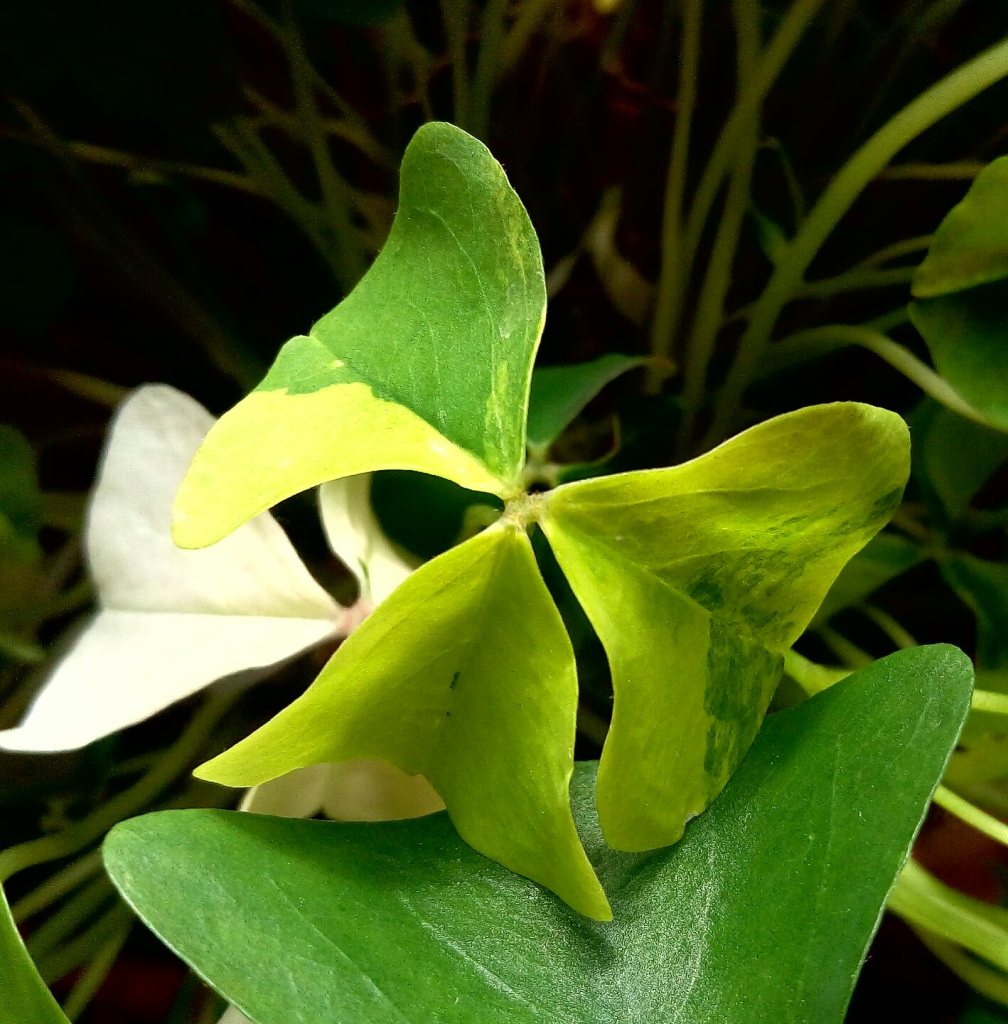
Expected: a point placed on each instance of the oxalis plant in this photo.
(549, 890)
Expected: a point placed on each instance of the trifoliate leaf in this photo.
(464, 674)
(699, 577)
(424, 366)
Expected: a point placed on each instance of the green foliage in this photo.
(23, 994)
(559, 393)
(465, 674)
(762, 914)
(962, 295)
(425, 365)
(720, 565)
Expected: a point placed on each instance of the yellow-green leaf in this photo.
(424, 366)
(466, 676)
(697, 579)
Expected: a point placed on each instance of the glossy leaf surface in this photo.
(559, 393)
(970, 247)
(424, 366)
(699, 577)
(24, 998)
(761, 915)
(466, 676)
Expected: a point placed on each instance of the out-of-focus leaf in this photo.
(559, 393)
(761, 915)
(882, 559)
(967, 335)
(970, 247)
(353, 12)
(698, 578)
(465, 675)
(424, 366)
(20, 498)
(954, 457)
(983, 586)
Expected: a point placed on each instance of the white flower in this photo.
(171, 622)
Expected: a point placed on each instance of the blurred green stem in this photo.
(864, 165)
(674, 268)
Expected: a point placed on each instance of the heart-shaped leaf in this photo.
(23, 994)
(761, 915)
(424, 366)
(466, 676)
(698, 578)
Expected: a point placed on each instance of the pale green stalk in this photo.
(923, 901)
(96, 971)
(674, 269)
(710, 306)
(931, 106)
(487, 68)
(988, 700)
(336, 196)
(819, 340)
(895, 632)
(956, 170)
(87, 831)
(986, 980)
(56, 886)
(455, 16)
(531, 15)
(971, 814)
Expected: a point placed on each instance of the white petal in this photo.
(133, 559)
(172, 621)
(294, 795)
(232, 1015)
(357, 540)
(377, 791)
(129, 665)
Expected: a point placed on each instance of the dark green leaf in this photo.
(883, 559)
(983, 586)
(967, 335)
(559, 393)
(761, 915)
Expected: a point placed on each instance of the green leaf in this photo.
(954, 457)
(965, 333)
(883, 559)
(424, 366)
(983, 586)
(699, 577)
(971, 245)
(20, 498)
(559, 393)
(466, 676)
(24, 998)
(761, 915)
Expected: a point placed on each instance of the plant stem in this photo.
(972, 815)
(672, 277)
(958, 170)
(771, 63)
(97, 970)
(858, 279)
(87, 831)
(829, 337)
(710, 306)
(986, 980)
(70, 956)
(487, 66)
(900, 638)
(988, 700)
(56, 886)
(923, 901)
(455, 15)
(531, 15)
(335, 193)
(897, 250)
(865, 164)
